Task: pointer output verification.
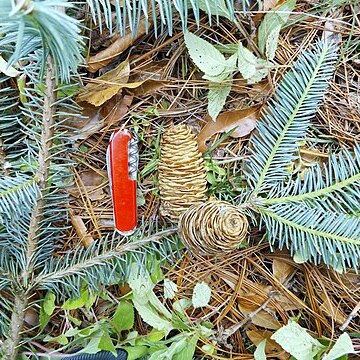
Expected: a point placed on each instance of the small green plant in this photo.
(301, 346)
(116, 331)
(220, 71)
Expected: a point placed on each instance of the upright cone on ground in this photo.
(182, 173)
(213, 228)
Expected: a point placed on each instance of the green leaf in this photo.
(259, 353)
(44, 318)
(61, 339)
(343, 346)
(46, 309)
(219, 8)
(217, 96)
(205, 56)
(170, 288)
(187, 352)
(201, 295)
(231, 67)
(297, 342)
(153, 318)
(93, 345)
(251, 68)
(272, 42)
(73, 304)
(135, 352)
(49, 303)
(149, 307)
(106, 343)
(269, 29)
(86, 299)
(124, 317)
(155, 335)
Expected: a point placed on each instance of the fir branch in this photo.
(287, 118)
(334, 186)
(42, 174)
(315, 233)
(10, 348)
(91, 260)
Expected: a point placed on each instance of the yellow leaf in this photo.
(106, 86)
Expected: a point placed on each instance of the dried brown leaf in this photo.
(116, 108)
(106, 86)
(90, 123)
(282, 270)
(249, 307)
(90, 182)
(120, 44)
(149, 87)
(272, 348)
(331, 310)
(244, 120)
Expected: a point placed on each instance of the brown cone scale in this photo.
(182, 173)
(213, 228)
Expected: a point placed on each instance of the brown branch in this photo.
(10, 346)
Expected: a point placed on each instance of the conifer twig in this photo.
(10, 346)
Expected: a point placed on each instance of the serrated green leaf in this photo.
(297, 342)
(93, 345)
(217, 96)
(155, 335)
(149, 307)
(259, 353)
(153, 318)
(251, 68)
(269, 28)
(201, 295)
(170, 288)
(124, 317)
(205, 56)
(46, 309)
(231, 67)
(343, 346)
(73, 304)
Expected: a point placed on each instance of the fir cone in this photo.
(182, 173)
(213, 228)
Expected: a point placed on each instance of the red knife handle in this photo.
(123, 188)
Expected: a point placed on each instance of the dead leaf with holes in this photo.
(272, 348)
(244, 120)
(103, 88)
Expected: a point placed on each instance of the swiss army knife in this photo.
(122, 163)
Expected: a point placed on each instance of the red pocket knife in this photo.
(122, 160)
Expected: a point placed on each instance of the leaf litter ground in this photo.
(254, 291)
